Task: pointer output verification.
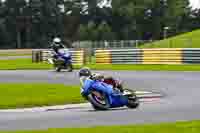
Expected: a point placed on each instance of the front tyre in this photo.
(58, 64)
(70, 67)
(97, 102)
(58, 69)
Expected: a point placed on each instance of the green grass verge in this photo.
(26, 64)
(179, 127)
(187, 40)
(141, 67)
(31, 95)
(18, 64)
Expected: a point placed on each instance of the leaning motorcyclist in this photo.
(85, 73)
(58, 48)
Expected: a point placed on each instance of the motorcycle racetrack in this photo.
(180, 101)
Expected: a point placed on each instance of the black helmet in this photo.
(84, 72)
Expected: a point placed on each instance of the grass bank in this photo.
(31, 95)
(179, 127)
(186, 40)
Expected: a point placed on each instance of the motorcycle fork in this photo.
(97, 94)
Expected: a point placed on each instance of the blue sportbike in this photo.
(62, 60)
(102, 96)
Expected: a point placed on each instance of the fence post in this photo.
(35, 56)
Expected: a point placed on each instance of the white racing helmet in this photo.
(57, 40)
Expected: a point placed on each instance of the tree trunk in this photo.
(18, 39)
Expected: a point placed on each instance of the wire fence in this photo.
(168, 43)
(110, 44)
(91, 46)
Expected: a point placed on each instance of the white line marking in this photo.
(42, 109)
(142, 92)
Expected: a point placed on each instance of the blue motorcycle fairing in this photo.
(64, 55)
(116, 99)
(85, 90)
(105, 88)
(67, 58)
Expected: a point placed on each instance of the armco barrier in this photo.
(162, 56)
(119, 56)
(191, 56)
(148, 56)
(103, 56)
(78, 56)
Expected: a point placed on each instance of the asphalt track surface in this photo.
(181, 101)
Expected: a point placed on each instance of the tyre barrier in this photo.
(148, 56)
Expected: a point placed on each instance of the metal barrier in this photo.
(78, 56)
(36, 56)
(119, 56)
(162, 56)
(149, 56)
(103, 57)
(191, 56)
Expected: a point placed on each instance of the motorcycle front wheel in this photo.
(58, 69)
(58, 65)
(99, 101)
(70, 67)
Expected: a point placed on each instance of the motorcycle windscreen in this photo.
(64, 52)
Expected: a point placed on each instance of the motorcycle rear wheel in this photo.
(133, 101)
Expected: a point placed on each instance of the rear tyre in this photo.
(133, 101)
(99, 104)
(133, 104)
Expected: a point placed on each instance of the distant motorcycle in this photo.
(61, 60)
(103, 97)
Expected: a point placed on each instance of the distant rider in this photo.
(59, 50)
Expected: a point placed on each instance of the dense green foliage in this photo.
(33, 23)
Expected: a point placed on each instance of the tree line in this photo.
(33, 23)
